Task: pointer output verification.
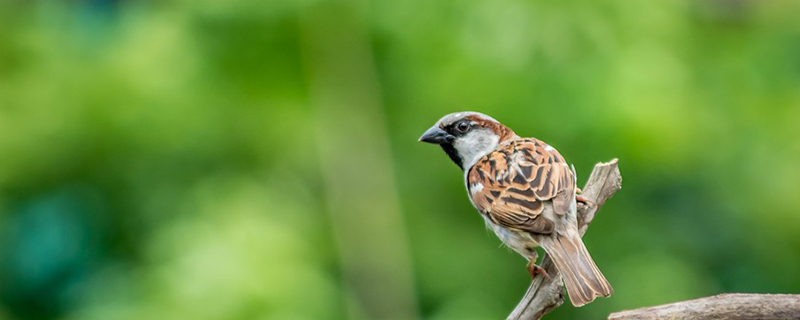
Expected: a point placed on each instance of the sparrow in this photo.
(526, 193)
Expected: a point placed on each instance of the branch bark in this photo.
(546, 294)
(723, 306)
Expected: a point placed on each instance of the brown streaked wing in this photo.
(517, 179)
(551, 178)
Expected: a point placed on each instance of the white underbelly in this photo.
(518, 241)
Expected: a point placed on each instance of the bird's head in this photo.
(467, 136)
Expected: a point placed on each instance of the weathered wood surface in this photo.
(742, 306)
(546, 294)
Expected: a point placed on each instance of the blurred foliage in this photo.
(173, 159)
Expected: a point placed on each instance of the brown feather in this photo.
(502, 131)
(516, 179)
(583, 279)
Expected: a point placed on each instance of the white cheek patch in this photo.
(475, 145)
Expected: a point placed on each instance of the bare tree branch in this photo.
(546, 294)
(724, 306)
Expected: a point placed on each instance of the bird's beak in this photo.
(436, 136)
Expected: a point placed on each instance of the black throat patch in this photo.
(452, 153)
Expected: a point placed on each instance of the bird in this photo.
(526, 193)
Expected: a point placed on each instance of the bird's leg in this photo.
(534, 269)
(581, 200)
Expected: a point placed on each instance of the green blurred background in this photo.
(246, 159)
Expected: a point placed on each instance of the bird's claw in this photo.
(582, 201)
(533, 270)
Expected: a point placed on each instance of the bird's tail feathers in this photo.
(583, 279)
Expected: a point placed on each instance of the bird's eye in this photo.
(463, 126)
